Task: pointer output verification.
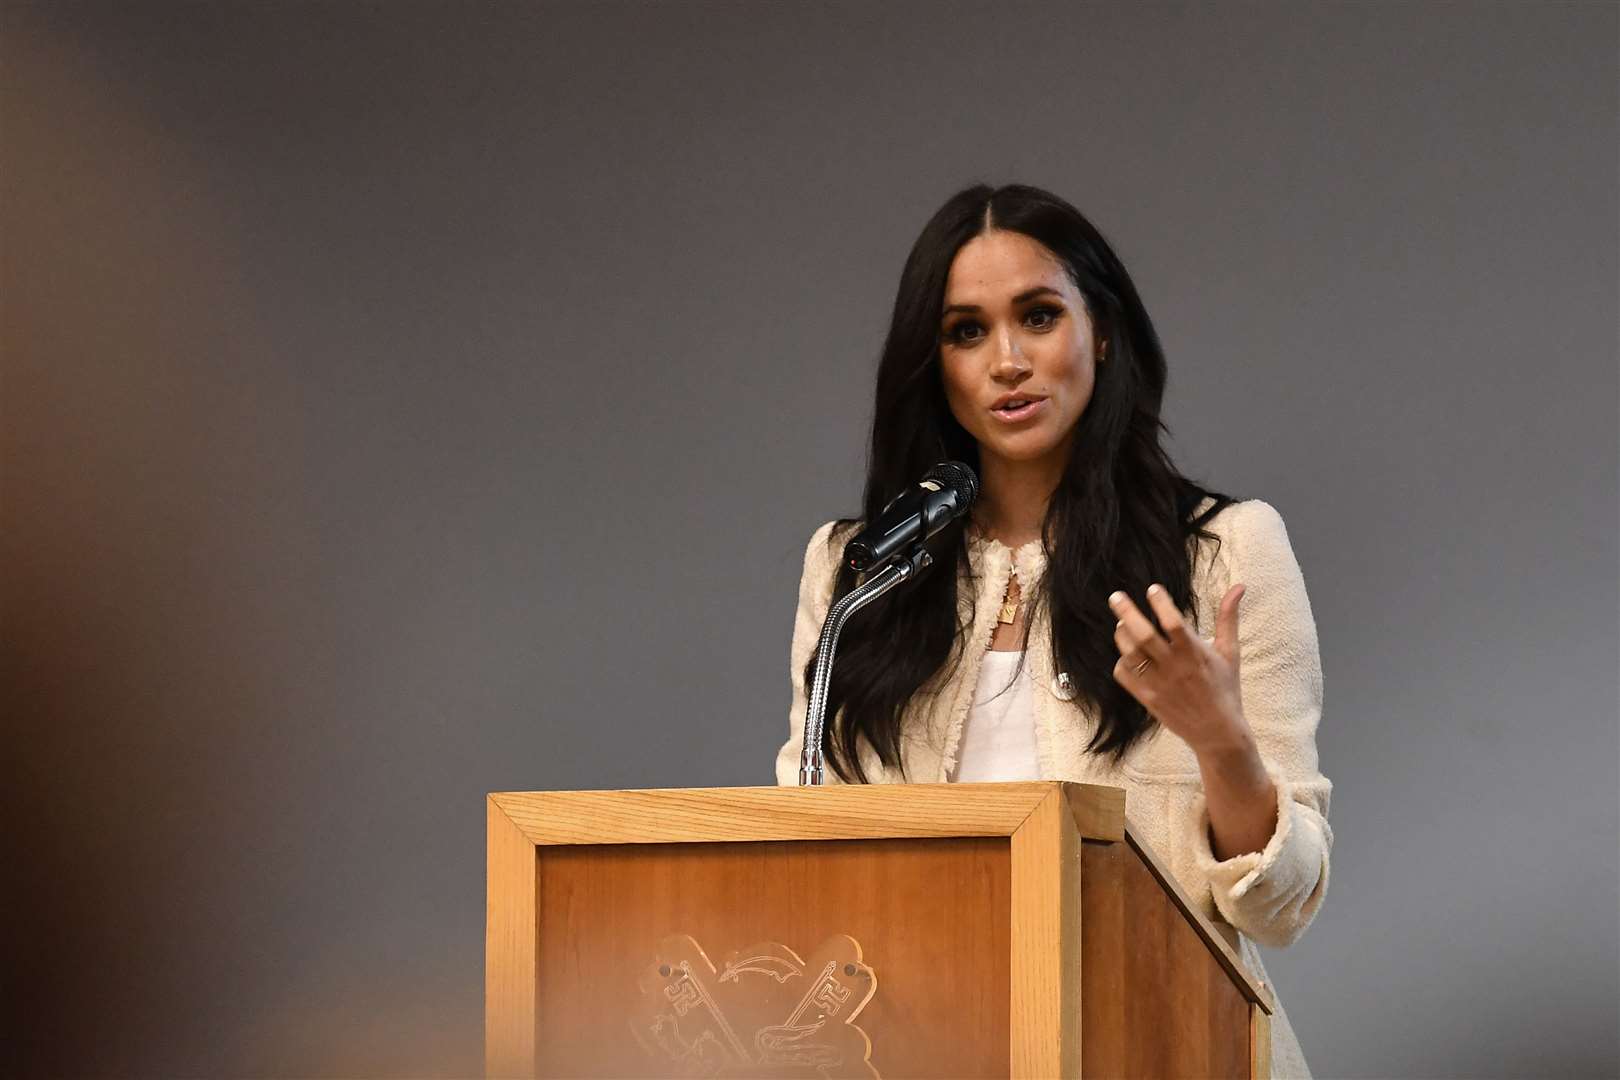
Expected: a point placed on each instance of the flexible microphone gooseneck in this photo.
(891, 551)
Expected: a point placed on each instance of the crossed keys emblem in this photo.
(764, 1012)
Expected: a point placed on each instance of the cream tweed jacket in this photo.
(1267, 897)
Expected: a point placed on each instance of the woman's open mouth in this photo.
(1015, 410)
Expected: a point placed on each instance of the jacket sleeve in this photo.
(1273, 894)
(815, 597)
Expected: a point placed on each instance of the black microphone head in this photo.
(914, 515)
(958, 478)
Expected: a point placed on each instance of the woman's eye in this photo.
(1042, 318)
(962, 332)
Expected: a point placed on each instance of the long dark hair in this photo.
(1121, 517)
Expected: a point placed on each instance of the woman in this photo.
(1090, 630)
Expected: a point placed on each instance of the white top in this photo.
(998, 736)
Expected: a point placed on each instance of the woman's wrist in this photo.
(1225, 743)
(1240, 796)
(1234, 772)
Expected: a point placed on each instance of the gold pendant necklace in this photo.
(1009, 604)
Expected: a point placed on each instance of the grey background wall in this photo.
(406, 401)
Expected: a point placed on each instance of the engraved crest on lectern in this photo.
(764, 1012)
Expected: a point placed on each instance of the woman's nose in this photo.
(1010, 361)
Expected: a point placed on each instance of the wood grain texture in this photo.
(1155, 1000)
(833, 812)
(967, 898)
(1103, 958)
(510, 900)
(1259, 1043)
(1098, 810)
(932, 917)
(1046, 959)
(1252, 988)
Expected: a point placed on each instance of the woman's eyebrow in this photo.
(1027, 294)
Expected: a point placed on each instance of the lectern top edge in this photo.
(834, 812)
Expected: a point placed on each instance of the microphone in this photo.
(915, 515)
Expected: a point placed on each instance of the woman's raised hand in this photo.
(1186, 683)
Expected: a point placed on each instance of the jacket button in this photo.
(1063, 686)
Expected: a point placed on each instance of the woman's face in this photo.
(1016, 349)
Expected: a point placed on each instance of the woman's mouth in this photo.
(1015, 410)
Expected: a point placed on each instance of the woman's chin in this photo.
(1018, 451)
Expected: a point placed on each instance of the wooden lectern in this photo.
(939, 930)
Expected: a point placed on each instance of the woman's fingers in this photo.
(1187, 684)
(1175, 627)
(1128, 655)
(1134, 633)
(1137, 638)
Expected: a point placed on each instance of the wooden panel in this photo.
(1218, 945)
(1259, 1043)
(509, 947)
(1103, 966)
(1098, 811)
(932, 916)
(1045, 981)
(834, 812)
(1155, 1001)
